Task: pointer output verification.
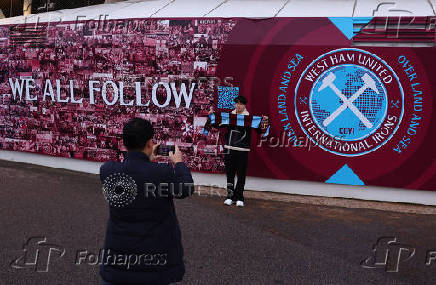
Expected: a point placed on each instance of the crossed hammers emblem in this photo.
(328, 81)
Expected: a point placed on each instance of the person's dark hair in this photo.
(136, 133)
(241, 99)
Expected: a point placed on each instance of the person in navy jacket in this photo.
(143, 238)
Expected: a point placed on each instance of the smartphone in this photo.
(164, 150)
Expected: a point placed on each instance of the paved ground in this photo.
(267, 242)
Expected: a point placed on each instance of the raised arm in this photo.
(260, 130)
(181, 177)
(216, 125)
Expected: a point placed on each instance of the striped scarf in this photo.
(229, 119)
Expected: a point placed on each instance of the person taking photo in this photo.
(143, 238)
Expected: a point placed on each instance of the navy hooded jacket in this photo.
(143, 239)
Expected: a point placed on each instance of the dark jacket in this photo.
(238, 137)
(146, 229)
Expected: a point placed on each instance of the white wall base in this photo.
(252, 183)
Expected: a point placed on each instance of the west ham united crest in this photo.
(349, 102)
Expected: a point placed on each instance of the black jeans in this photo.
(236, 164)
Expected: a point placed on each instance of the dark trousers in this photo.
(236, 164)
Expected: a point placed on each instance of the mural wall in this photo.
(339, 112)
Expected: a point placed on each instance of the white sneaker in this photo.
(228, 202)
(239, 204)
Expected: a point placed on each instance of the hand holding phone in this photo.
(176, 155)
(164, 150)
(154, 155)
(210, 111)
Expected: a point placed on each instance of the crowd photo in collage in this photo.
(128, 51)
